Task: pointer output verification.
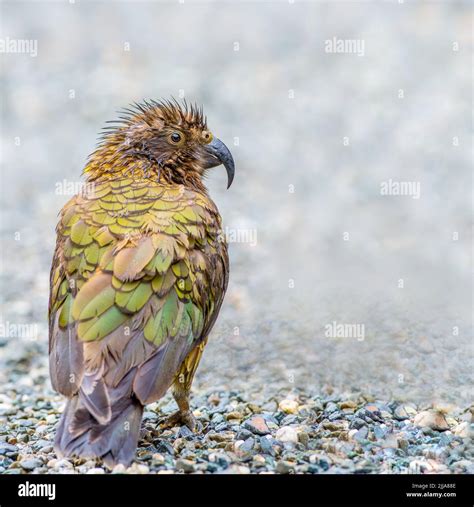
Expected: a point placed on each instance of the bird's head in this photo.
(166, 140)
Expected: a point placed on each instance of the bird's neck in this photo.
(106, 164)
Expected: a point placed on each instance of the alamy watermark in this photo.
(238, 235)
(349, 46)
(339, 330)
(67, 187)
(13, 330)
(19, 46)
(37, 489)
(404, 188)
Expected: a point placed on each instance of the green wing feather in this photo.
(138, 257)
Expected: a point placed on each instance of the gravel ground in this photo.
(314, 134)
(244, 432)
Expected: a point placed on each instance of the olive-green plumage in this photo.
(138, 277)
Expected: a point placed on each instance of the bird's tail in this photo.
(80, 433)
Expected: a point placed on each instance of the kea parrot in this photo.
(138, 277)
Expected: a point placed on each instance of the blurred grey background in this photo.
(314, 135)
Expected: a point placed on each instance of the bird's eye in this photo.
(206, 137)
(175, 137)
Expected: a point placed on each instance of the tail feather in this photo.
(80, 434)
(102, 419)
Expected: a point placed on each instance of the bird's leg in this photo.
(183, 416)
(181, 390)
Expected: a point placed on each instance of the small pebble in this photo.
(257, 425)
(30, 463)
(288, 406)
(259, 461)
(462, 430)
(361, 434)
(431, 419)
(303, 438)
(357, 423)
(158, 459)
(6, 449)
(184, 465)
(224, 436)
(234, 416)
(287, 434)
(348, 404)
(185, 432)
(63, 463)
(243, 434)
(403, 412)
(266, 446)
(284, 467)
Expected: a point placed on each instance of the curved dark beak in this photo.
(217, 153)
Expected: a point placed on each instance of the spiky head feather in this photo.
(140, 143)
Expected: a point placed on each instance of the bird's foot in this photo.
(182, 418)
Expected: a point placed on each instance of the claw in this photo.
(182, 419)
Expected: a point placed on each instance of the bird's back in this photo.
(138, 276)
